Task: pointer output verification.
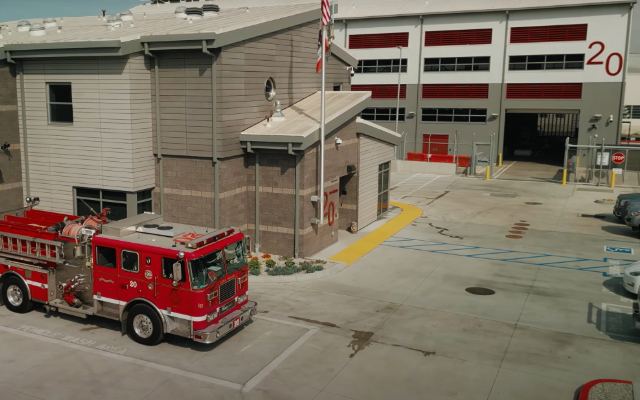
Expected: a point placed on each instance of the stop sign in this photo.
(618, 158)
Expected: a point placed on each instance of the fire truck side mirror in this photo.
(177, 272)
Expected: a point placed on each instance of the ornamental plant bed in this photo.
(285, 265)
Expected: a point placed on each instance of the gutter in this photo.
(25, 142)
(214, 137)
(156, 67)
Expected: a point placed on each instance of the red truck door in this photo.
(105, 273)
(175, 300)
(131, 282)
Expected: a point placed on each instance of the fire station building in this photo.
(171, 112)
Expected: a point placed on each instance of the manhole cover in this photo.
(480, 291)
(532, 203)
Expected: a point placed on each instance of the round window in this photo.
(270, 89)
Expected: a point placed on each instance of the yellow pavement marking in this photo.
(357, 250)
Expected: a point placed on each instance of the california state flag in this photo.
(326, 18)
(326, 49)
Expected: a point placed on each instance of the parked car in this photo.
(621, 204)
(631, 278)
(632, 215)
(606, 389)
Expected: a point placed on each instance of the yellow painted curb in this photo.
(357, 250)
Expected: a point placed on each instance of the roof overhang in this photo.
(304, 140)
(344, 55)
(378, 132)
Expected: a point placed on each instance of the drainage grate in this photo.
(480, 291)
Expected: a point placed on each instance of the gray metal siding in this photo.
(288, 56)
(373, 152)
(107, 146)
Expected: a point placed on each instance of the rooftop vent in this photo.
(194, 13)
(210, 9)
(114, 21)
(162, 230)
(126, 15)
(24, 25)
(181, 12)
(37, 30)
(49, 22)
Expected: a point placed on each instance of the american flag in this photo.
(326, 18)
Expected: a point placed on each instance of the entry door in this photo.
(435, 144)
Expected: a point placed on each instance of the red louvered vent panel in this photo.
(382, 91)
(456, 38)
(455, 91)
(544, 91)
(379, 40)
(556, 33)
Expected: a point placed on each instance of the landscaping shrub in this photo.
(270, 263)
(283, 271)
(310, 268)
(254, 267)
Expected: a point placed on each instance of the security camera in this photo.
(352, 71)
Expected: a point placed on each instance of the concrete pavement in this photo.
(397, 323)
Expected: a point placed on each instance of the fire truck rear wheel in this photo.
(16, 296)
(144, 325)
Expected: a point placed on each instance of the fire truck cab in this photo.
(154, 277)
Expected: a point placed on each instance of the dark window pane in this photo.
(379, 203)
(478, 119)
(445, 111)
(430, 111)
(385, 202)
(384, 118)
(61, 112)
(115, 196)
(394, 69)
(481, 67)
(448, 61)
(536, 59)
(555, 58)
(575, 57)
(403, 68)
(387, 62)
(482, 60)
(60, 93)
(574, 65)
(448, 67)
(368, 117)
(535, 67)
(479, 111)
(369, 63)
(559, 65)
(445, 118)
(518, 59)
(82, 207)
(145, 206)
(145, 195)
(91, 193)
(369, 70)
(118, 210)
(464, 67)
(465, 60)
(404, 62)
(105, 257)
(462, 118)
(431, 61)
(429, 118)
(386, 69)
(430, 68)
(517, 67)
(130, 261)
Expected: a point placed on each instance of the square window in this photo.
(61, 113)
(130, 261)
(105, 257)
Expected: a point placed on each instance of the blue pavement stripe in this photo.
(428, 246)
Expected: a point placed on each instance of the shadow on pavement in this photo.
(613, 321)
(620, 230)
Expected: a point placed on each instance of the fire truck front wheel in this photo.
(144, 325)
(16, 296)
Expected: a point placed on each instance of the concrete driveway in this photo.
(398, 323)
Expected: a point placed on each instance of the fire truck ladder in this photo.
(40, 249)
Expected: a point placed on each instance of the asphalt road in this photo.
(397, 324)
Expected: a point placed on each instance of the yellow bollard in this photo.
(613, 179)
(500, 160)
(487, 175)
(564, 177)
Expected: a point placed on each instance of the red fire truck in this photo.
(154, 277)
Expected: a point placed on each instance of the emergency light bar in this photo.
(209, 238)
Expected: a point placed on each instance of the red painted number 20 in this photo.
(329, 209)
(594, 60)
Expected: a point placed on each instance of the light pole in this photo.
(399, 76)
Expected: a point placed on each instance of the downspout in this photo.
(257, 199)
(346, 33)
(25, 143)
(296, 203)
(214, 137)
(624, 75)
(503, 115)
(418, 116)
(156, 68)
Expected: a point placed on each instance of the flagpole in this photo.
(322, 135)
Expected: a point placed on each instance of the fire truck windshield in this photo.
(236, 256)
(206, 270)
